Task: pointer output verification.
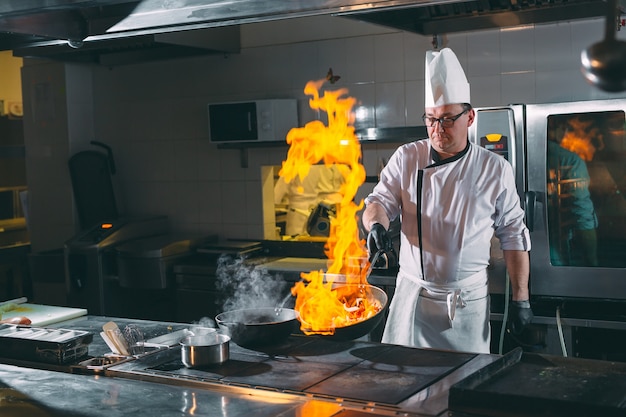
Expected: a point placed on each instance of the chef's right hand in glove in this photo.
(378, 239)
(520, 315)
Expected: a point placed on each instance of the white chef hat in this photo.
(445, 79)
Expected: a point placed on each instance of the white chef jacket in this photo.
(464, 201)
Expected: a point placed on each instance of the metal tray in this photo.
(57, 346)
(528, 384)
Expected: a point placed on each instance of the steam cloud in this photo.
(244, 286)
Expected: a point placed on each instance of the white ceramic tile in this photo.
(276, 73)
(231, 167)
(585, 33)
(517, 50)
(414, 97)
(235, 230)
(188, 118)
(185, 156)
(385, 150)
(305, 64)
(145, 198)
(389, 57)
(254, 231)
(128, 160)
(370, 159)
(234, 202)
(459, 42)
(390, 104)
(209, 201)
(360, 60)
(363, 191)
(254, 202)
(332, 55)
(483, 54)
(186, 205)
(209, 162)
(616, 95)
(365, 95)
(156, 163)
(555, 86)
(553, 47)
(276, 155)
(257, 157)
(584, 90)
(518, 88)
(485, 90)
(415, 47)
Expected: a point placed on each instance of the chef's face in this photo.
(449, 140)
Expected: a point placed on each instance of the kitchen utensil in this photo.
(373, 262)
(258, 326)
(109, 342)
(114, 334)
(604, 63)
(363, 327)
(209, 349)
(169, 339)
(134, 339)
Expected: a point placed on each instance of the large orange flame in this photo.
(321, 305)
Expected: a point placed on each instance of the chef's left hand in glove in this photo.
(520, 315)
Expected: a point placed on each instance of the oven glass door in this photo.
(577, 167)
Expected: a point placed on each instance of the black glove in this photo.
(520, 315)
(378, 239)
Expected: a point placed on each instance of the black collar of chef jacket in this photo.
(437, 158)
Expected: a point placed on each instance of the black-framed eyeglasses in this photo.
(444, 121)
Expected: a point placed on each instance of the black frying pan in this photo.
(258, 326)
(361, 328)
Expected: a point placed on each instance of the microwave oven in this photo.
(252, 121)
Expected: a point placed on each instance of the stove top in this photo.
(350, 371)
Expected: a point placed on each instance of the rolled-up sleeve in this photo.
(509, 224)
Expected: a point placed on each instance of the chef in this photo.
(322, 184)
(451, 196)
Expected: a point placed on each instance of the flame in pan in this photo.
(321, 307)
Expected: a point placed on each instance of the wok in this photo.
(360, 328)
(258, 326)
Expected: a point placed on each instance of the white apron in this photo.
(453, 316)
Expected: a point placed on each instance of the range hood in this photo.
(101, 30)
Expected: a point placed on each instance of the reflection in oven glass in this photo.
(586, 181)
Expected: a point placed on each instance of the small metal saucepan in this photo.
(205, 350)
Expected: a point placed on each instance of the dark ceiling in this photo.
(113, 32)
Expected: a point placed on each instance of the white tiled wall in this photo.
(154, 115)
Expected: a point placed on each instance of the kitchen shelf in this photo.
(368, 136)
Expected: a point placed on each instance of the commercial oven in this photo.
(91, 274)
(570, 166)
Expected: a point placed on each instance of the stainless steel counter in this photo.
(64, 394)
(302, 377)
(306, 376)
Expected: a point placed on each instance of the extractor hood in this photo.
(93, 29)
